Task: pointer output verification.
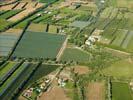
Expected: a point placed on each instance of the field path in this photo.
(62, 50)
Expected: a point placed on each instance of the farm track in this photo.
(62, 50)
(121, 52)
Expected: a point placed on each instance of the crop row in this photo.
(13, 78)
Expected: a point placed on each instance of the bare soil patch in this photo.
(56, 93)
(95, 91)
(7, 7)
(29, 9)
(81, 70)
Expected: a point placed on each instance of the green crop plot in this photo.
(39, 45)
(52, 29)
(37, 27)
(20, 80)
(41, 72)
(46, 1)
(130, 45)
(72, 54)
(9, 14)
(121, 91)
(6, 69)
(123, 68)
(10, 80)
(4, 23)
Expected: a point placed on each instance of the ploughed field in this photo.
(39, 45)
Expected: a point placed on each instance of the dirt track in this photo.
(62, 50)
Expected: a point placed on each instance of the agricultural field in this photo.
(41, 72)
(16, 79)
(73, 54)
(5, 15)
(96, 91)
(66, 49)
(122, 68)
(10, 80)
(29, 46)
(121, 91)
(37, 27)
(7, 42)
(5, 70)
(52, 29)
(8, 39)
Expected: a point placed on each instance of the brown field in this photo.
(24, 13)
(55, 93)
(95, 91)
(19, 6)
(81, 70)
(7, 7)
(7, 1)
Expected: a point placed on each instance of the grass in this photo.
(121, 91)
(69, 85)
(29, 46)
(72, 54)
(123, 68)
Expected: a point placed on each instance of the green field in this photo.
(73, 54)
(41, 72)
(10, 80)
(46, 1)
(23, 76)
(123, 68)
(121, 91)
(6, 69)
(39, 45)
(9, 14)
(52, 29)
(37, 27)
(4, 23)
